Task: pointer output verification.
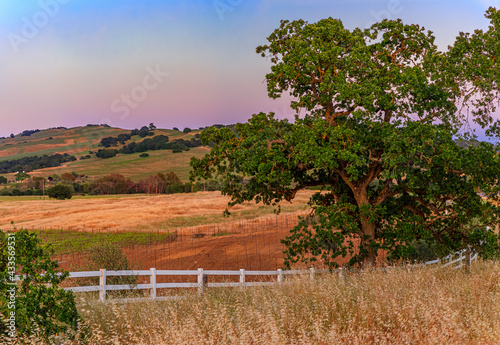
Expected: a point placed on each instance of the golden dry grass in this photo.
(133, 213)
(400, 306)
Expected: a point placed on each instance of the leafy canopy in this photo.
(381, 107)
(40, 306)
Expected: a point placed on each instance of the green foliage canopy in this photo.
(381, 107)
(60, 192)
(40, 306)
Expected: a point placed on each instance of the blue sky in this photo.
(175, 63)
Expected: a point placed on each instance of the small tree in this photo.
(68, 177)
(3, 179)
(111, 257)
(21, 176)
(36, 304)
(60, 192)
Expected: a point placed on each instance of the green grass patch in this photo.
(63, 241)
(222, 233)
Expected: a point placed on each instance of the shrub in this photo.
(60, 192)
(144, 155)
(41, 308)
(175, 188)
(16, 192)
(5, 192)
(176, 150)
(212, 185)
(28, 192)
(111, 257)
(106, 153)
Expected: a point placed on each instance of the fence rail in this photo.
(202, 283)
(460, 257)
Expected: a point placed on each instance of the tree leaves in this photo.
(376, 137)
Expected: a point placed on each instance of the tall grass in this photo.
(398, 306)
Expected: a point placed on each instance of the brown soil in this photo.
(251, 245)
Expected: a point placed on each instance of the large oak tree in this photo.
(380, 109)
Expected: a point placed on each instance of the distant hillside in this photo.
(467, 143)
(80, 141)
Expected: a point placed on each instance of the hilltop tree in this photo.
(381, 107)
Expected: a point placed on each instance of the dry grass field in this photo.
(401, 306)
(131, 212)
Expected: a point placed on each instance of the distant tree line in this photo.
(160, 142)
(122, 138)
(60, 127)
(96, 125)
(159, 183)
(35, 162)
(28, 133)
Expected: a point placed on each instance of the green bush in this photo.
(16, 192)
(60, 192)
(106, 153)
(5, 192)
(212, 185)
(28, 192)
(176, 151)
(144, 155)
(111, 257)
(40, 307)
(175, 188)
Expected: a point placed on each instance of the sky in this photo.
(176, 63)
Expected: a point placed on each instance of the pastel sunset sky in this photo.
(176, 63)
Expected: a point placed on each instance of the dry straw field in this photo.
(131, 213)
(399, 306)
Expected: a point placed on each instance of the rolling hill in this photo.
(78, 141)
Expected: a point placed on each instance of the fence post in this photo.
(102, 283)
(242, 277)
(467, 260)
(311, 272)
(200, 281)
(341, 273)
(280, 276)
(152, 281)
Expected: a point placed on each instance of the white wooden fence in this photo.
(456, 260)
(202, 283)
